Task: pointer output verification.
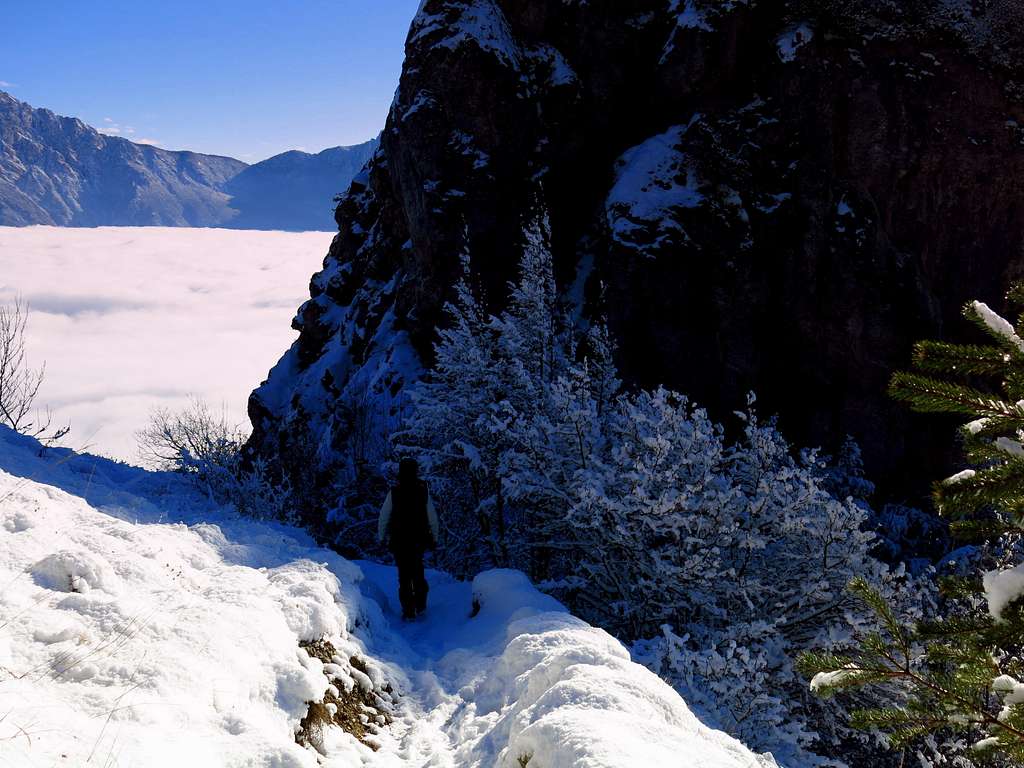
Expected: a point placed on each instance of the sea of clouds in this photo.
(128, 319)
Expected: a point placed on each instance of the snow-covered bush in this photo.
(725, 559)
(722, 559)
(491, 374)
(203, 445)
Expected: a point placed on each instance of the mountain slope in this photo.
(295, 190)
(58, 170)
(140, 625)
(778, 197)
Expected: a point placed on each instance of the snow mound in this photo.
(147, 642)
(509, 678)
(568, 694)
(76, 571)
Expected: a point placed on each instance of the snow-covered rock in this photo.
(686, 239)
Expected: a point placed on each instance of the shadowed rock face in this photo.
(765, 198)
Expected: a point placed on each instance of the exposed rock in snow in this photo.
(133, 632)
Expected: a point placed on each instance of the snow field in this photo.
(132, 642)
(141, 626)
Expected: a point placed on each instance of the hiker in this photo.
(408, 526)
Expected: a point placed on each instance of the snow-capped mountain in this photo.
(166, 631)
(778, 197)
(58, 170)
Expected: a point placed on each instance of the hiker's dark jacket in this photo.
(408, 520)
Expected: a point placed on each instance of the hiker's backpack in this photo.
(409, 527)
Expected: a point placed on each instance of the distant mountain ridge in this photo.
(296, 190)
(59, 171)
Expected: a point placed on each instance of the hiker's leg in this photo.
(406, 584)
(420, 584)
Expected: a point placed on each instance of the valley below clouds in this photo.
(128, 319)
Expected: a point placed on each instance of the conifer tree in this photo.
(961, 672)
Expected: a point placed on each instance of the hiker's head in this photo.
(408, 471)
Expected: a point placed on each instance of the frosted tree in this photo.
(722, 559)
(726, 560)
(449, 430)
(477, 422)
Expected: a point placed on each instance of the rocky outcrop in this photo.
(778, 197)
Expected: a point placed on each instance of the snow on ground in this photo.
(142, 626)
(116, 313)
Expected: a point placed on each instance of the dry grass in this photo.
(358, 711)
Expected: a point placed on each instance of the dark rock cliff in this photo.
(774, 197)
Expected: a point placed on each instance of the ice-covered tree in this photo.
(722, 559)
(467, 418)
(726, 559)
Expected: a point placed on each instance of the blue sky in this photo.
(246, 79)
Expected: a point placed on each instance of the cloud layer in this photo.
(131, 318)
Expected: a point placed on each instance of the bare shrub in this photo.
(206, 446)
(186, 440)
(20, 382)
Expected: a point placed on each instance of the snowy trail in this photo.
(411, 650)
(214, 673)
(436, 655)
(523, 680)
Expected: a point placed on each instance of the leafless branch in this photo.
(19, 381)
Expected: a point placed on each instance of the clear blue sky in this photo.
(246, 79)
